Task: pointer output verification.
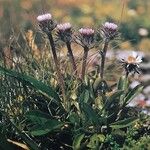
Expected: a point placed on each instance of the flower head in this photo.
(44, 17)
(46, 23)
(86, 32)
(131, 62)
(109, 30)
(64, 32)
(63, 27)
(110, 26)
(86, 37)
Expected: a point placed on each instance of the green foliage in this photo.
(40, 86)
(124, 123)
(77, 141)
(41, 124)
(141, 144)
(132, 93)
(91, 124)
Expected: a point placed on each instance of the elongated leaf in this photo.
(49, 126)
(132, 93)
(28, 80)
(112, 99)
(123, 83)
(90, 113)
(124, 123)
(77, 141)
(84, 97)
(37, 117)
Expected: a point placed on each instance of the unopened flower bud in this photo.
(86, 37)
(46, 23)
(44, 17)
(109, 30)
(64, 32)
(86, 32)
(64, 27)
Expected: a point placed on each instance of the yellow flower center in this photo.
(131, 59)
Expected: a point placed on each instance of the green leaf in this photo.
(123, 83)
(49, 126)
(77, 141)
(132, 93)
(37, 117)
(112, 99)
(43, 124)
(74, 118)
(84, 97)
(28, 80)
(90, 114)
(95, 141)
(124, 123)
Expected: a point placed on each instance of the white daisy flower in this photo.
(131, 62)
(133, 58)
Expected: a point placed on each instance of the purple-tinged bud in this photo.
(64, 32)
(109, 31)
(46, 23)
(86, 32)
(110, 26)
(86, 37)
(44, 17)
(63, 27)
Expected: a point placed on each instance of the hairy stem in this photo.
(103, 56)
(86, 49)
(71, 57)
(127, 74)
(58, 70)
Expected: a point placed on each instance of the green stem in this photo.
(71, 57)
(103, 56)
(86, 49)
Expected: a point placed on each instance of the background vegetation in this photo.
(20, 15)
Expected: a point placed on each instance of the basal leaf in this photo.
(37, 117)
(84, 97)
(77, 141)
(132, 93)
(112, 99)
(124, 123)
(28, 80)
(49, 126)
(123, 83)
(90, 114)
